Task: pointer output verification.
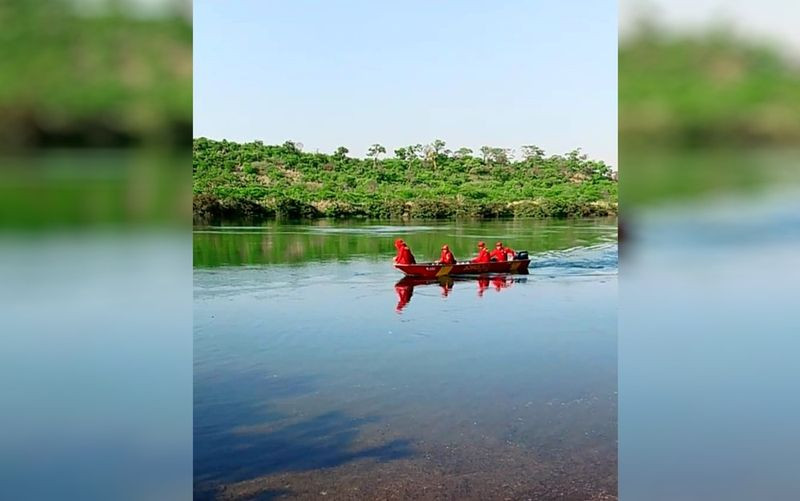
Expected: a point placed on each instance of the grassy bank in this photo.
(254, 180)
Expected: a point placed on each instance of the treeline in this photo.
(712, 87)
(254, 180)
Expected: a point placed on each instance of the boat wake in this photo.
(600, 259)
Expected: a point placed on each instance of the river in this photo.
(317, 373)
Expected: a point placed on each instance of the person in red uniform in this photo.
(404, 255)
(510, 253)
(407, 257)
(483, 254)
(398, 244)
(447, 257)
(498, 253)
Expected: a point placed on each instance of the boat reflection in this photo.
(405, 287)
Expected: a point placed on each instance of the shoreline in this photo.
(206, 208)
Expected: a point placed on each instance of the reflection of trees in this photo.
(286, 243)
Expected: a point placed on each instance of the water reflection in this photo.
(345, 240)
(405, 287)
(306, 382)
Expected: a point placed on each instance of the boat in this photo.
(434, 270)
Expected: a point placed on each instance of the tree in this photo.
(407, 154)
(293, 147)
(341, 153)
(433, 150)
(486, 153)
(492, 155)
(374, 151)
(430, 154)
(463, 153)
(577, 155)
(532, 152)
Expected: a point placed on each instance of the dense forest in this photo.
(254, 180)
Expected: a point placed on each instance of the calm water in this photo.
(318, 373)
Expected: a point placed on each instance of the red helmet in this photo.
(481, 244)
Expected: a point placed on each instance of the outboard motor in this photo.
(521, 255)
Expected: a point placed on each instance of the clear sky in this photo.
(353, 73)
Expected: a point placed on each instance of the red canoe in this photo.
(433, 270)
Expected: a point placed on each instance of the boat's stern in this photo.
(520, 266)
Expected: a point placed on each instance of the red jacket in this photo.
(498, 254)
(483, 256)
(398, 244)
(447, 257)
(404, 256)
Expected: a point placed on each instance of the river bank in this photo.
(208, 208)
(258, 181)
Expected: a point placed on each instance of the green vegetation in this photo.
(704, 113)
(255, 180)
(104, 77)
(709, 88)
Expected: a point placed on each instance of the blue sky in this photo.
(354, 73)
